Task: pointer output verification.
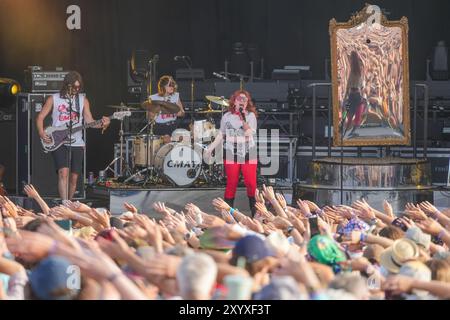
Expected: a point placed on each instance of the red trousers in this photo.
(232, 170)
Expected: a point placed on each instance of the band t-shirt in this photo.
(238, 147)
(166, 118)
(61, 115)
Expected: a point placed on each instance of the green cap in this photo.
(325, 250)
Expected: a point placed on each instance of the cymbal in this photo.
(160, 107)
(209, 111)
(219, 100)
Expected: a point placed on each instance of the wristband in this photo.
(53, 248)
(363, 237)
(319, 212)
(232, 210)
(434, 215)
(290, 229)
(441, 234)
(187, 236)
(114, 276)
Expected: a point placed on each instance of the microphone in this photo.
(221, 76)
(241, 110)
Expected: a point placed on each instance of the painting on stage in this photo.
(370, 80)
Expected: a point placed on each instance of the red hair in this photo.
(250, 106)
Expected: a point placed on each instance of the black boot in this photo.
(230, 202)
(252, 202)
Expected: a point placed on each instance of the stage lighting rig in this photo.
(9, 87)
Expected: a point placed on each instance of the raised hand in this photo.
(30, 246)
(261, 207)
(62, 212)
(268, 193)
(31, 191)
(219, 204)
(101, 218)
(304, 208)
(430, 226)
(416, 214)
(77, 206)
(388, 209)
(130, 208)
(312, 206)
(160, 207)
(11, 209)
(177, 223)
(117, 249)
(253, 224)
(259, 196)
(212, 221)
(281, 223)
(365, 210)
(428, 207)
(192, 207)
(281, 200)
(153, 231)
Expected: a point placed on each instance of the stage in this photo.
(173, 197)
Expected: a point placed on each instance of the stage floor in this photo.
(175, 198)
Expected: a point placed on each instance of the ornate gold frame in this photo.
(355, 20)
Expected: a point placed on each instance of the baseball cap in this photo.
(50, 279)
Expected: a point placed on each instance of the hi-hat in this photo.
(219, 100)
(160, 107)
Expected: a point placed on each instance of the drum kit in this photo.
(179, 163)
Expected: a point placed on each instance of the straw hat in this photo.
(402, 251)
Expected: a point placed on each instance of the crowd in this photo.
(75, 252)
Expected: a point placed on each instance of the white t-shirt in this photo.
(235, 141)
(173, 98)
(61, 115)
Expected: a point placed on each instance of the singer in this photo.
(237, 131)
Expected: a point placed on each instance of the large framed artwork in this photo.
(370, 80)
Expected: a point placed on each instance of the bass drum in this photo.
(178, 163)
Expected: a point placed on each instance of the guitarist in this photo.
(58, 105)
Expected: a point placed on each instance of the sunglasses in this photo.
(172, 85)
(241, 98)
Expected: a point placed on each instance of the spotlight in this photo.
(9, 87)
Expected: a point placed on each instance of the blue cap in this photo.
(51, 278)
(252, 248)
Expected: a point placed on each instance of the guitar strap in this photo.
(77, 105)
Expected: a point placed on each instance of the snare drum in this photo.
(182, 136)
(204, 130)
(180, 164)
(140, 147)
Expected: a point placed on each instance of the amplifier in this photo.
(44, 81)
(187, 74)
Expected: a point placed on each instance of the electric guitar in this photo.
(60, 135)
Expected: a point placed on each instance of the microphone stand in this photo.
(150, 76)
(341, 169)
(69, 157)
(189, 65)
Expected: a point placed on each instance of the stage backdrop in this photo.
(288, 32)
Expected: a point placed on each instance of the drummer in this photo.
(165, 124)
